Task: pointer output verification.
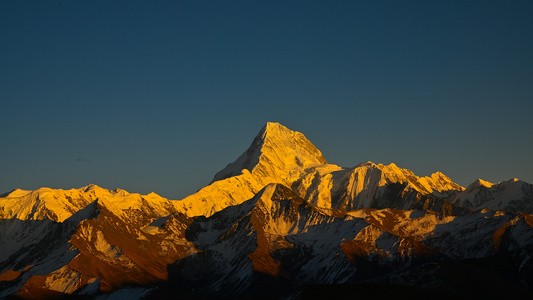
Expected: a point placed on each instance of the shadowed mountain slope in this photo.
(278, 222)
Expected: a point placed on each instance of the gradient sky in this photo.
(159, 96)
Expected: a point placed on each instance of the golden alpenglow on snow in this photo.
(278, 222)
(276, 155)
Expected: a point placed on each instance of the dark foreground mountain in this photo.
(279, 222)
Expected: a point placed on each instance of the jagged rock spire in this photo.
(273, 152)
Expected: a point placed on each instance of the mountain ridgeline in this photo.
(278, 222)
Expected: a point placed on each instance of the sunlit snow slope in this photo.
(274, 223)
(276, 155)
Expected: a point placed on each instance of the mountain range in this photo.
(278, 222)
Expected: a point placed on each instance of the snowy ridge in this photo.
(265, 233)
(277, 220)
(275, 152)
(368, 185)
(512, 195)
(59, 205)
(56, 205)
(277, 155)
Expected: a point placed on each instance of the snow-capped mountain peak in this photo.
(54, 204)
(370, 185)
(274, 222)
(438, 182)
(59, 205)
(274, 151)
(478, 183)
(276, 155)
(280, 155)
(512, 195)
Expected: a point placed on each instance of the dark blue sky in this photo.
(159, 96)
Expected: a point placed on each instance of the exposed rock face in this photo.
(276, 222)
(277, 154)
(277, 238)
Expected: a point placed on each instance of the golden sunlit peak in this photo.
(479, 183)
(438, 174)
(274, 128)
(484, 183)
(273, 125)
(366, 163)
(90, 187)
(17, 193)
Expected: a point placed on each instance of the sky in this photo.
(158, 96)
